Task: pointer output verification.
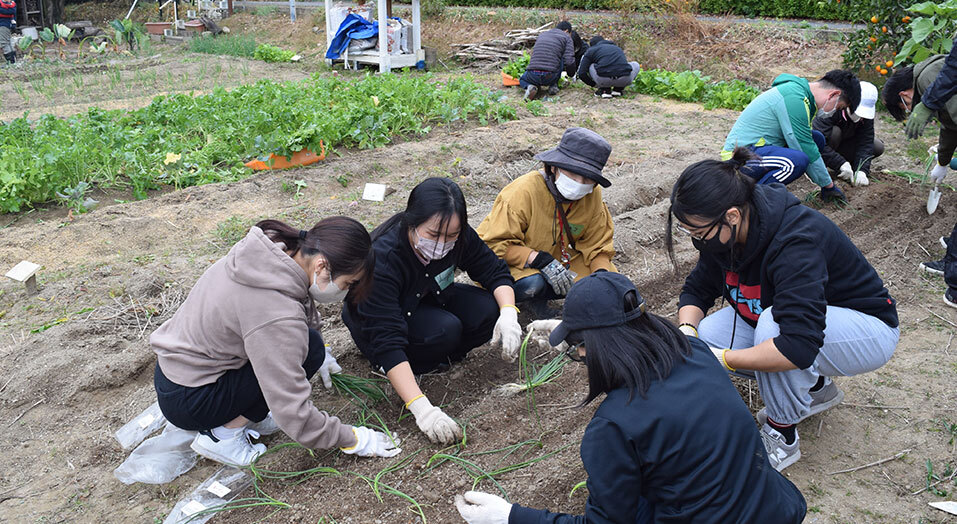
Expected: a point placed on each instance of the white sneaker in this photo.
(780, 453)
(266, 426)
(237, 451)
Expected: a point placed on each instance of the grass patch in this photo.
(228, 45)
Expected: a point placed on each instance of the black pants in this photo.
(439, 335)
(236, 393)
(849, 147)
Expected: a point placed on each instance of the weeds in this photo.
(576, 487)
(933, 479)
(239, 45)
(233, 229)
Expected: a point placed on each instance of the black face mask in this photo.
(714, 245)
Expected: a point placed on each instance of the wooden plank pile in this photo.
(492, 53)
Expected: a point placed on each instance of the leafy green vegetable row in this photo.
(690, 86)
(182, 140)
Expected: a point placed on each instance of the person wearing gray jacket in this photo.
(554, 52)
(234, 361)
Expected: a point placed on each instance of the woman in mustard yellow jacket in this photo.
(551, 226)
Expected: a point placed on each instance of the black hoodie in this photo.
(798, 261)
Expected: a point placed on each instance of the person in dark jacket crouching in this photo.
(850, 144)
(553, 52)
(805, 305)
(417, 319)
(604, 66)
(647, 453)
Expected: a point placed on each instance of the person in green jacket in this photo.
(776, 126)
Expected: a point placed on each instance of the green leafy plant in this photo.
(127, 32)
(536, 107)
(884, 33)
(216, 132)
(62, 33)
(932, 33)
(238, 45)
(691, 86)
(516, 66)
(76, 198)
(271, 53)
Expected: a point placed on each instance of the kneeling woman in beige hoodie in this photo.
(234, 361)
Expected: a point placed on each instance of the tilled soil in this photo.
(91, 369)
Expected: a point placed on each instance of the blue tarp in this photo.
(353, 27)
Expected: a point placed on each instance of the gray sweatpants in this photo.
(5, 47)
(854, 343)
(621, 81)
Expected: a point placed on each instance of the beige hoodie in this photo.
(253, 306)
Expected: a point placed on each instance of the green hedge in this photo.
(814, 9)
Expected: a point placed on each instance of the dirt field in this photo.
(75, 364)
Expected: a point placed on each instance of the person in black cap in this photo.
(554, 52)
(604, 66)
(551, 226)
(657, 449)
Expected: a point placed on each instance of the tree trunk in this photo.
(53, 11)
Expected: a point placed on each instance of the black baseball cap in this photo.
(597, 300)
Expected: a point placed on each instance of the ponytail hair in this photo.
(342, 241)
(707, 189)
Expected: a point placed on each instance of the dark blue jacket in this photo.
(401, 281)
(798, 261)
(553, 51)
(944, 86)
(8, 13)
(690, 448)
(609, 61)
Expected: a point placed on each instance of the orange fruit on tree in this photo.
(889, 63)
(906, 19)
(884, 29)
(877, 68)
(874, 39)
(874, 19)
(883, 71)
(869, 46)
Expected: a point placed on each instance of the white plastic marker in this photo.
(948, 506)
(223, 486)
(374, 192)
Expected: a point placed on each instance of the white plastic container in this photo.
(142, 426)
(223, 486)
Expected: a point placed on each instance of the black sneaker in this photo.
(617, 91)
(950, 298)
(552, 90)
(934, 268)
(945, 242)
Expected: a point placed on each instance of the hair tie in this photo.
(302, 234)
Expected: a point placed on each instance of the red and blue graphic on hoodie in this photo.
(745, 299)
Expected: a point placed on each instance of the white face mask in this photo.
(824, 113)
(328, 295)
(572, 190)
(432, 249)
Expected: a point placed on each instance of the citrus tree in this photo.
(931, 31)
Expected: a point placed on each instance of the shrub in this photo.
(271, 53)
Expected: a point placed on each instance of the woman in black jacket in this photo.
(804, 303)
(657, 449)
(417, 319)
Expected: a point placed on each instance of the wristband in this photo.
(513, 306)
(409, 403)
(725, 360)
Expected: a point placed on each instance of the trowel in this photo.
(933, 199)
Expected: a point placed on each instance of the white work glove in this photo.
(847, 172)
(328, 367)
(688, 330)
(719, 354)
(939, 173)
(860, 179)
(541, 329)
(372, 443)
(508, 333)
(477, 507)
(932, 150)
(439, 427)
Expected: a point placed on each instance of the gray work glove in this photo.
(557, 275)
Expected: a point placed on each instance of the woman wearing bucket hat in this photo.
(551, 226)
(656, 449)
(804, 303)
(849, 139)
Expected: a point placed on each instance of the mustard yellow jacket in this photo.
(523, 220)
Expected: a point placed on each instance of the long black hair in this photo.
(901, 80)
(342, 241)
(707, 189)
(631, 355)
(433, 196)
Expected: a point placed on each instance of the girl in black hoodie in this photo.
(804, 303)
